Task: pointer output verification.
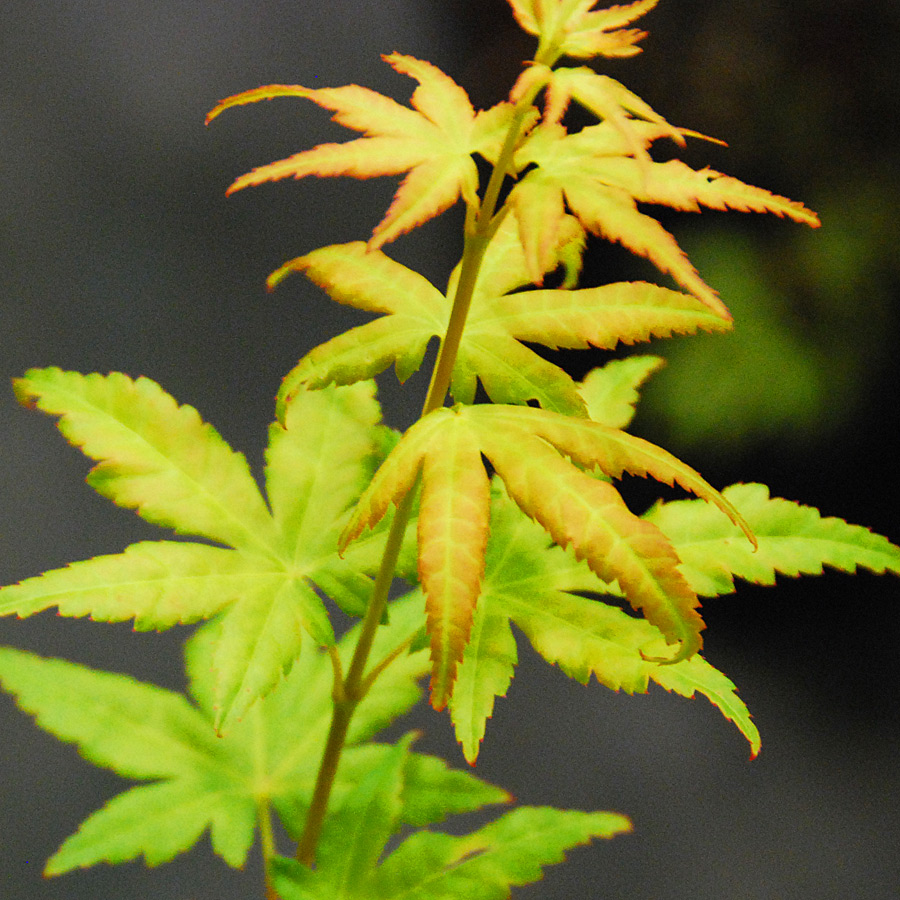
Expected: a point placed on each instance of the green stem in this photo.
(480, 229)
(267, 842)
(348, 693)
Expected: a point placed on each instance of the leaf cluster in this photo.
(496, 513)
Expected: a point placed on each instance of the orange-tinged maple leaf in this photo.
(453, 525)
(595, 173)
(614, 451)
(527, 448)
(434, 142)
(590, 515)
(492, 347)
(569, 28)
(605, 97)
(539, 587)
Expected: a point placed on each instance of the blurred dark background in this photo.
(121, 252)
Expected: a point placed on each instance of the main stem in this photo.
(350, 690)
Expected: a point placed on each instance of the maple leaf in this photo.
(526, 447)
(605, 97)
(530, 582)
(352, 861)
(793, 540)
(162, 460)
(198, 781)
(595, 174)
(500, 319)
(567, 28)
(434, 142)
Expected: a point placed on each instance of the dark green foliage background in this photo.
(121, 252)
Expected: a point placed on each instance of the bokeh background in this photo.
(120, 252)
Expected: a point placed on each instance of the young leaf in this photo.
(614, 451)
(603, 96)
(595, 173)
(369, 280)
(142, 732)
(499, 321)
(454, 513)
(429, 865)
(200, 781)
(526, 447)
(573, 29)
(529, 581)
(163, 460)
(434, 141)
(793, 540)
(508, 852)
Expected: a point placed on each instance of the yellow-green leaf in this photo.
(155, 456)
(529, 581)
(611, 391)
(590, 516)
(793, 540)
(434, 142)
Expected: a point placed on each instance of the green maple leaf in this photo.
(198, 781)
(434, 141)
(501, 319)
(160, 459)
(530, 582)
(792, 540)
(351, 862)
(527, 449)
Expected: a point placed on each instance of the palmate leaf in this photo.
(431, 865)
(200, 781)
(596, 174)
(529, 581)
(174, 470)
(575, 29)
(605, 97)
(527, 447)
(492, 348)
(434, 141)
(793, 540)
(154, 456)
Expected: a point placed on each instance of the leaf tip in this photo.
(686, 650)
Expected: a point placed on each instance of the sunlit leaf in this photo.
(527, 449)
(161, 459)
(201, 782)
(501, 319)
(576, 30)
(793, 540)
(597, 174)
(529, 581)
(434, 142)
(154, 456)
(431, 865)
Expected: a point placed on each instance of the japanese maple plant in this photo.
(498, 506)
